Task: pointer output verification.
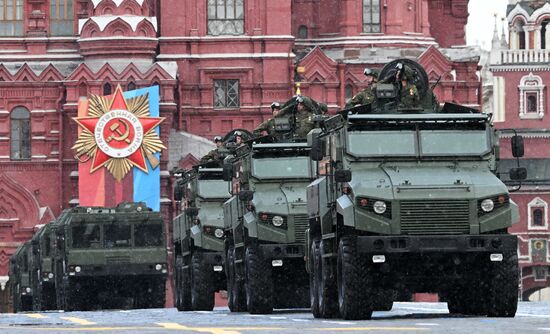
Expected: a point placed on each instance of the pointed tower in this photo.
(496, 45)
(118, 28)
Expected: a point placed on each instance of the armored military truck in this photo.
(406, 200)
(109, 257)
(42, 277)
(20, 278)
(199, 237)
(265, 221)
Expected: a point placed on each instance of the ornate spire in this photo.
(495, 41)
(503, 41)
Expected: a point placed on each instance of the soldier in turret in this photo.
(365, 96)
(213, 155)
(408, 97)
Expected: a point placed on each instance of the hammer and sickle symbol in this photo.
(122, 136)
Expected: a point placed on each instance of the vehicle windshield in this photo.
(213, 189)
(421, 143)
(148, 235)
(117, 235)
(282, 167)
(85, 236)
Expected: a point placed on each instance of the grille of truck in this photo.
(435, 217)
(301, 223)
(117, 259)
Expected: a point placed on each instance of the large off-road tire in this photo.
(325, 276)
(314, 262)
(383, 299)
(235, 288)
(259, 285)
(202, 284)
(469, 295)
(503, 291)
(354, 286)
(185, 290)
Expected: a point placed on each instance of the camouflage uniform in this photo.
(366, 96)
(409, 97)
(210, 156)
(304, 119)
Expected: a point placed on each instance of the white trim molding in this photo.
(537, 203)
(531, 84)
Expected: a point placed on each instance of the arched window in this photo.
(20, 134)
(537, 214)
(11, 17)
(131, 86)
(371, 16)
(225, 17)
(61, 17)
(544, 33)
(531, 97)
(302, 32)
(107, 89)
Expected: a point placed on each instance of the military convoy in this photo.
(198, 234)
(383, 200)
(93, 258)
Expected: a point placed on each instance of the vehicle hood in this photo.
(281, 198)
(425, 182)
(211, 213)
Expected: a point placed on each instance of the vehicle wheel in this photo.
(326, 285)
(235, 288)
(202, 284)
(383, 299)
(70, 300)
(259, 285)
(503, 292)
(353, 282)
(314, 261)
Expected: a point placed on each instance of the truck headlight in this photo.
(158, 267)
(77, 269)
(28, 290)
(487, 205)
(218, 233)
(50, 275)
(277, 221)
(379, 207)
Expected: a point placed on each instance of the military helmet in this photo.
(238, 133)
(218, 138)
(299, 99)
(407, 74)
(371, 72)
(323, 107)
(275, 105)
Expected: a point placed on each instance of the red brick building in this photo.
(219, 64)
(520, 101)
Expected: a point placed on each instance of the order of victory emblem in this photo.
(118, 134)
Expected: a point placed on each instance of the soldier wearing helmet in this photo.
(213, 155)
(365, 96)
(408, 97)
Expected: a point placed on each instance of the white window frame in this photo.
(537, 203)
(544, 268)
(531, 84)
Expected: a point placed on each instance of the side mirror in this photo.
(517, 146)
(318, 147)
(191, 212)
(342, 175)
(227, 173)
(518, 174)
(246, 195)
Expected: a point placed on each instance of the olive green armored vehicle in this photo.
(20, 278)
(42, 278)
(199, 237)
(109, 258)
(406, 200)
(265, 221)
